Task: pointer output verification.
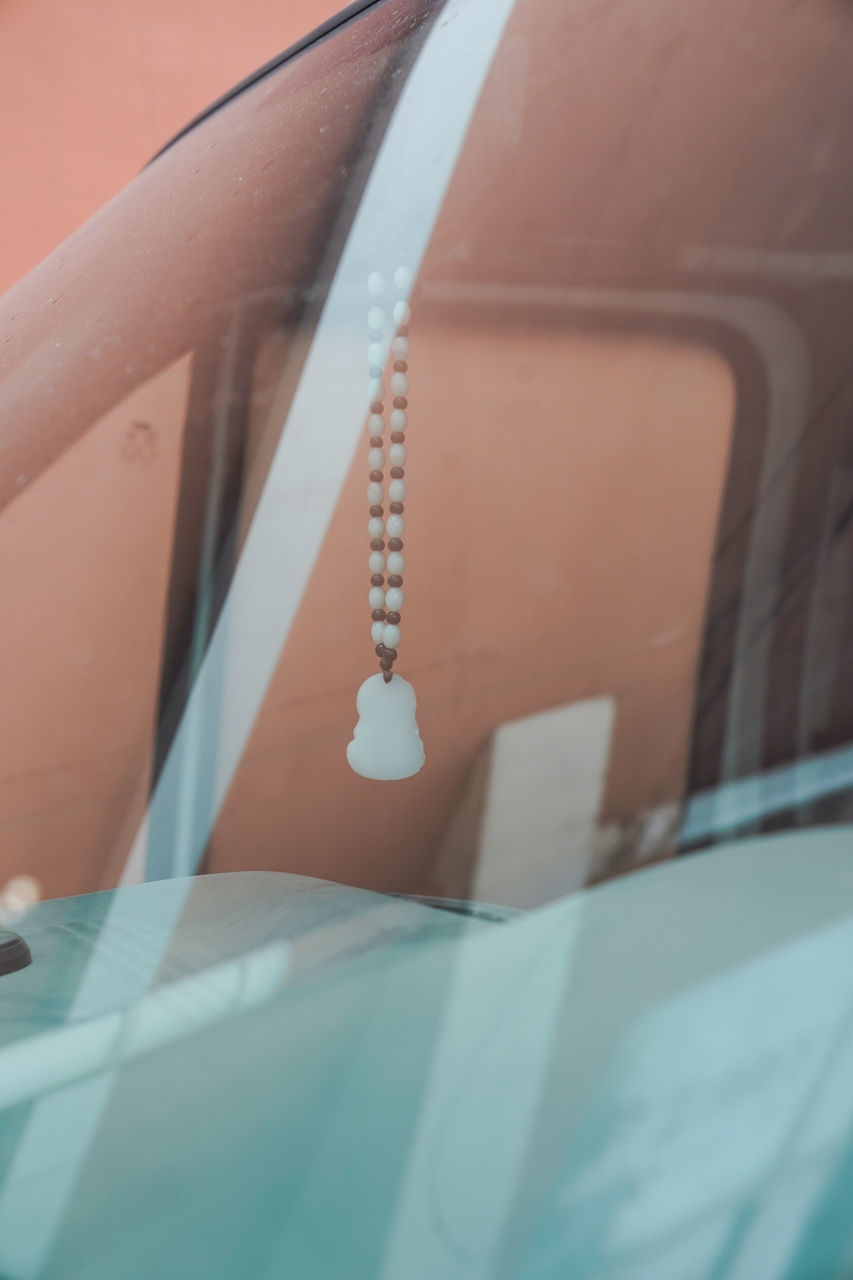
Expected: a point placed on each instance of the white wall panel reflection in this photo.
(735, 1095)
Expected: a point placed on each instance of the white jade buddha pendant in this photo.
(386, 744)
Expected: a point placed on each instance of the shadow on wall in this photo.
(560, 645)
(591, 603)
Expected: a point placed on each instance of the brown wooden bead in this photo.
(401, 366)
(397, 473)
(377, 511)
(380, 651)
(403, 331)
(386, 664)
(393, 618)
(376, 442)
(400, 402)
(397, 437)
(387, 676)
(391, 654)
(395, 580)
(396, 508)
(377, 476)
(376, 580)
(377, 544)
(378, 615)
(395, 544)
(377, 407)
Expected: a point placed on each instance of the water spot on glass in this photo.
(139, 443)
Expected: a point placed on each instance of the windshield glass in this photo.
(425, 496)
(623, 474)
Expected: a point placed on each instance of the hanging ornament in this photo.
(386, 743)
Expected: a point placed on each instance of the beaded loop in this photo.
(386, 570)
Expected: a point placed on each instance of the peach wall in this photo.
(90, 90)
(564, 491)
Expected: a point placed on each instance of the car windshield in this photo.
(430, 482)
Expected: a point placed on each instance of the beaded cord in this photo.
(386, 561)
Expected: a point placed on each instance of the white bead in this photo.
(397, 491)
(399, 384)
(376, 354)
(376, 459)
(403, 279)
(395, 526)
(375, 371)
(391, 636)
(394, 599)
(402, 313)
(396, 562)
(398, 420)
(376, 319)
(376, 389)
(400, 347)
(376, 562)
(376, 284)
(375, 494)
(375, 527)
(397, 455)
(376, 598)
(377, 632)
(376, 424)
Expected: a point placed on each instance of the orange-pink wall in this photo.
(582, 472)
(90, 89)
